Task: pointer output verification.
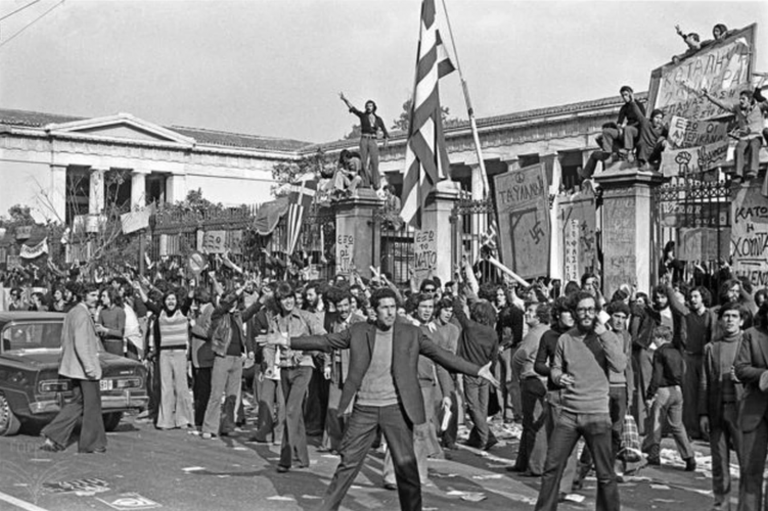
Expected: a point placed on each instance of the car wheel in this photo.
(111, 420)
(9, 423)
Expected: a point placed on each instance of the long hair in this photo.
(484, 313)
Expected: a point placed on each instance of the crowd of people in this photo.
(564, 363)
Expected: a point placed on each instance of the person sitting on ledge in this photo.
(347, 177)
(652, 140)
(749, 127)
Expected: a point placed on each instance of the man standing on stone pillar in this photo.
(372, 128)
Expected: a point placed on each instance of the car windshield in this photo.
(18, 336)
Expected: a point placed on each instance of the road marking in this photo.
(20, 503)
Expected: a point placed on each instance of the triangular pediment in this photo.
(119, 127)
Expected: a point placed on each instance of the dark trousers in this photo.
(113, 346)
(596, 430)
(295, 383)
(201, 392)
(694, 364)
(624, 138)
(369, 154)
(271, 410)
(448, 436)
(316, 405)
(722, 433)
(617, 407)
(476, 391)
(754, 447)
(86, 405)
(335, 419)
(364, 422)
(591, 166)
(533, 443)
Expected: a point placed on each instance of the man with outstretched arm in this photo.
(383, 378)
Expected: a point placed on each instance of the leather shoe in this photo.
(282, 469)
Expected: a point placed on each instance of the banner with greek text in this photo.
(749, 235)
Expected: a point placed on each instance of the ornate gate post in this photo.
(627, 214)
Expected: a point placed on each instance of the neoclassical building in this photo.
(62, 166)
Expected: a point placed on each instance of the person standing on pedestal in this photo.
(372, 128)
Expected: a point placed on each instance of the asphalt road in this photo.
(149, 469)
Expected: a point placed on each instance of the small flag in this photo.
(300, 199)
(426, 159)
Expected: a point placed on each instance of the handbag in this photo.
(630, 441)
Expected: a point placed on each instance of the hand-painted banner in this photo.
(723, 68)
(135, 221)
(522, 202)
(703, 244)
(34, 251)
(693, 160)
(345, 251)
(218, 242)
(576, 221)
(684, 133)
(424, 254)
(749, 235)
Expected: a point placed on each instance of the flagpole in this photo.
(470, 110)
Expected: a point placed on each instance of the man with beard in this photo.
(562, 321)
(583, 358)
(383, 378)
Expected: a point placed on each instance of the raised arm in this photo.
(705, 93)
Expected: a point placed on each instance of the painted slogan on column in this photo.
(749, 235)
(576, 221)
(522, 204)
(619, 260)
(345, 252)
(424, 254)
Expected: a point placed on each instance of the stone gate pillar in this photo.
(626, 228)
(358, 236)
(432, 245)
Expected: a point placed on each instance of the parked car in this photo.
(31, 391)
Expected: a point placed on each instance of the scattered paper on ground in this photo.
(281, 498)
(660, 487)
(473, 496)
(487, 476)
(192, 469)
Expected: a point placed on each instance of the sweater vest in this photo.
(174, 332)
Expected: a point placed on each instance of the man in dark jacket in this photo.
(229, 345)
(383, 376)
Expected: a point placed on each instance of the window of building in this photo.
(155, 187)
(117, 190)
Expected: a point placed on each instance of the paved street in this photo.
(178, 471)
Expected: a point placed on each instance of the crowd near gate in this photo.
(231, 231)
(691, 228)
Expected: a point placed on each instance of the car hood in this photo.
(44, 358)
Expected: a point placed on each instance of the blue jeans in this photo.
(596, 430)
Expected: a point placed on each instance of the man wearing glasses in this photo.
(583, 358)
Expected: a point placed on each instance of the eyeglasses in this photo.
(585, 310)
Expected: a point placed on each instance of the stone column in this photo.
(57, 193)
(513, 163)
(358, 237)
(432, 245)
(626, 228)
(96, 191)
(138, 189)
(554, 173)
(175, 188)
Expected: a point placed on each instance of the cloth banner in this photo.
(135, 221)
(34, 251)
(269, 215)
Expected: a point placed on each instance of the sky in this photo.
(275, 68)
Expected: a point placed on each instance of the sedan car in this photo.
(31, 390)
